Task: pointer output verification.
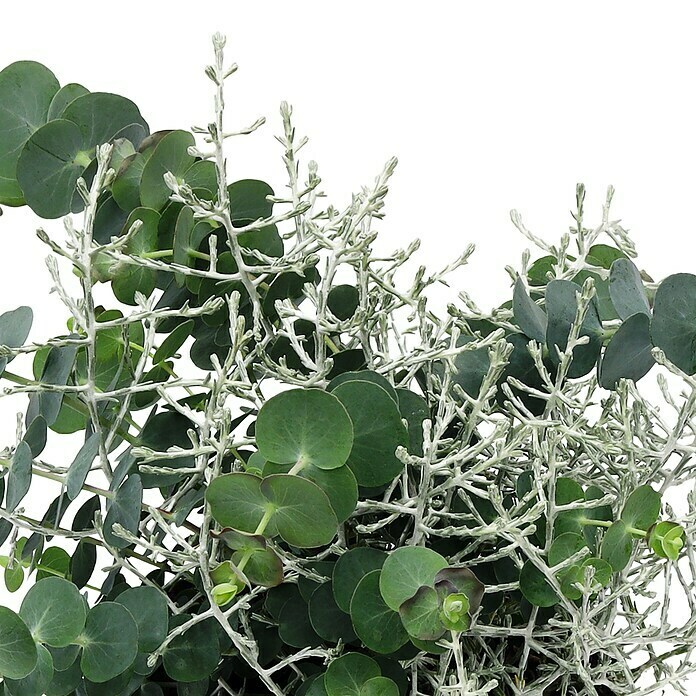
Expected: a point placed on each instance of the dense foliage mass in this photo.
(293, 476)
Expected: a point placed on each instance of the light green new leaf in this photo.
(627, 290)
(346, 675)
(674, 320)
(26, 91)
(666, 539)
(406, 570)
(307, 426)
(18, 654)
(54, 612)
(378, 627)
(109, 642)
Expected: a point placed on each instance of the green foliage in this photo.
(310, 482)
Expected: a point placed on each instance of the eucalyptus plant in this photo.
(294, 476)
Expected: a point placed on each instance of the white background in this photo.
(489, 106)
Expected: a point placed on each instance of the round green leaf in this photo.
(264, 567)
(100, 117)
(294, 625)
(130, 278)
(346, 675)
(330, 623)
(83, 562)
(565, 546)
(109, 642)
(49, 166)
(302, 513)
(407, 569)
(377, 432)
(535, 587)
(170, 155)
(124, 510)
(365, 376)
(471, 367)
(248, 200)
(642, 508)
(26, 91)
(14, 330)
(629, 353)
(561, 308)
(379, 686)
(307, 426)
(530, 317)
(617, 546)
(126, 186)
(80, 467)
(64, 682)
(414, 410)
(55, 561)
(18, 653)
(343, 300)
(64, 96)
(35, 683)
(19, 478)
(350, 569)
(54, 611)
(627, 290)
(149, 609)
(236, 501)
(340, 485)
(378, 627)
(420, 614)
(674, 320)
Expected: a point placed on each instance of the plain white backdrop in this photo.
(488, 106)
